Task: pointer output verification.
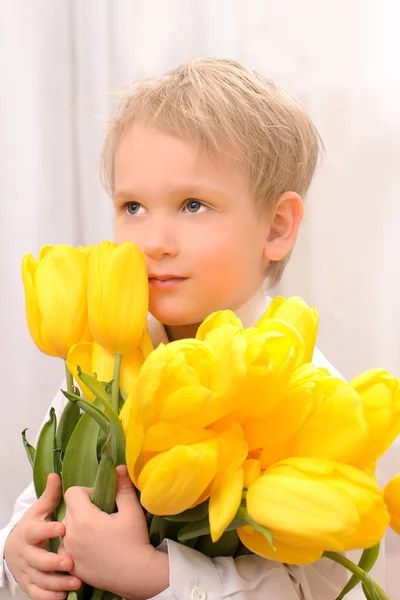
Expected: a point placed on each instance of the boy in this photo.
(207, 167)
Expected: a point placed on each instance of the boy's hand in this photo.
(26, 551)
(113, 552)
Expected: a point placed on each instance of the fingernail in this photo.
(61, 595)
(62, 565)
(72, 583)
(59, 529)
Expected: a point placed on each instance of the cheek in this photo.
(229, 251)
(124, 232)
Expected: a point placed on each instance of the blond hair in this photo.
(220, 103)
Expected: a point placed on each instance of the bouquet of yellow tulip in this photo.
(233, 439)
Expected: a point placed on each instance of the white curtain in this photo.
(59, 59)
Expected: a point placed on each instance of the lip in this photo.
(165, 281)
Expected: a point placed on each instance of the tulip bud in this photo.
(380, 394)
(295, 312)
(392, 500)
(56, 298)
(118, 296)
(315, 503)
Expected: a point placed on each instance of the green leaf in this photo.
(43, 463)
(227, 545)
(105, 485)
(118, 442)
(369, 589)
(243, 515)
(192, 514)
(80, 462)
(101, 440)
(94, 385)
(366, 562)
(68, 420)
(154, 532)
(30, 450)
(195, 529)
(91, 409)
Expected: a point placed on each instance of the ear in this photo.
(284, 225)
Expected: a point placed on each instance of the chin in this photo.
(174, 314)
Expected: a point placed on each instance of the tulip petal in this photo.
(392, 500)
(295, 312)
(283, 553)
(192, 404)
(339, 410)
(33, 316)
(301, 512)
(380, 393)
(282, 424)
(318, 504)
(172, 481)
(117, 295)
(131, 364)
(224, 501)
(163, 436)
(215, 321)
(251, 470)
(134, 437)
(80, 355)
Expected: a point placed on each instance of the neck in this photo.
(248, 313)
(180, 332)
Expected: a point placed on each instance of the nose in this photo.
(160, 240)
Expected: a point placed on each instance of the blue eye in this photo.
(195, 206)
(132, 208)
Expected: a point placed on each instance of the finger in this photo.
(50, 498)
(43, 560)
(76, 499)
(126, 495)
(36, 593)
(54, 582)
(37, 532)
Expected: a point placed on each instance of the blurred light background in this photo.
(59, 60)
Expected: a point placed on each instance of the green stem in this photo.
(115, 387)
(97, 594)
(355, 569)
(70, 380)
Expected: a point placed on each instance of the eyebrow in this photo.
(190, 191)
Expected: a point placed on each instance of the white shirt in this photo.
(250, 577)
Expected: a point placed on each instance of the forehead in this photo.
(149, 155)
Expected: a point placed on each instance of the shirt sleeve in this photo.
(196, 577)
(23, 502)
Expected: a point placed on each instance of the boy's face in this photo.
(194, 218)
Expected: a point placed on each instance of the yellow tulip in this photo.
(380, 393)
(254, 369)
(291, 555)
(318, 504)
(172, 386)
(218, 329)
(172, 481)
(391, 496)
(93, 358)
(118, 296)
(296, 313)
(56, 298)
(336, 428)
